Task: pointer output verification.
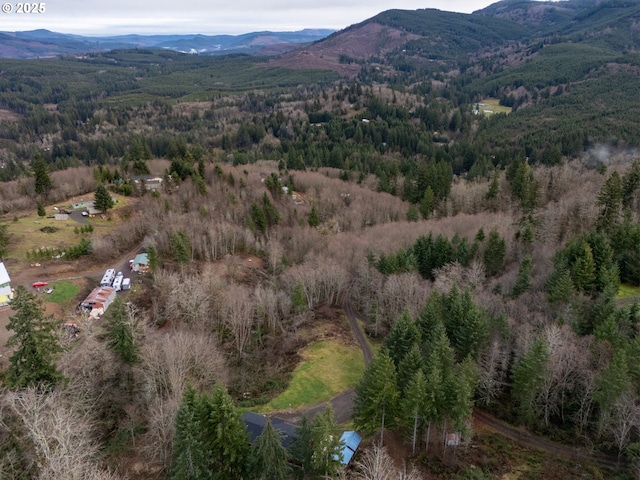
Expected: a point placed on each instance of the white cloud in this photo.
(200, 16)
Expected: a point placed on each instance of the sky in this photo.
(209, 17)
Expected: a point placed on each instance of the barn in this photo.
(98, 301)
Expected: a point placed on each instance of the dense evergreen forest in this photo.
(474, 195)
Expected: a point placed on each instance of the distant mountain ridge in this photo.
(44, 43)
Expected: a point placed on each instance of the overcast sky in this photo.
(115, 17)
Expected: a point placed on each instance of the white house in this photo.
(6, 294)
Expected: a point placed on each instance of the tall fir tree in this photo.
(43, 184)
(417, 406)
(32, 364)
(102, 199)
(404, 333)
(528, 376)
(121, 332)
(224, 433)
(610, 200)
(377, 395)
(523, 280)
(494, 253)
(327, 448)
(189, 452)
(302, 446)
(269, 457)
(211, 441)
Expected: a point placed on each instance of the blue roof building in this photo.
(350, 441)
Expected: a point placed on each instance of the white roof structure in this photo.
(4, 275)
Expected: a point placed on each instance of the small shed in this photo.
(61, 216)
(453, 439)
(350, 441)
(140, 263)
(98, 301)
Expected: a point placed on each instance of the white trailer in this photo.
(108, 277)
(126, 284)
(117, 284)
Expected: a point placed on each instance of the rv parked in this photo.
(126, 284)
(108, 277)
(117, 284)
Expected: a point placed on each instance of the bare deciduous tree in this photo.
(376, 464)
(60, 431)
(493, 364)
(183, 357)
(239, 315)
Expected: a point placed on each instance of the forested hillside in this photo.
(468, 183)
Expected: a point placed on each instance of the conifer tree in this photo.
(528, 375)
(225, 437)
(494, 253)
(4, 240)
(326, 458)
(269, 457)
(314, 220)
(210, 441)
(102, 199)
(611, 384)
(409, 365)
(121, 333)
(523, 280)
(43, 183)
(417, 405)
(466, 324)
(403, 335)
(189, 453)
(32, 364)
(377, 395)
(427, 203)
(610, 200)
(41, 211)
(494, 186)
(459, 389)
(302, 445)
(152, 255)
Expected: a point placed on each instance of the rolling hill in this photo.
(44, 43)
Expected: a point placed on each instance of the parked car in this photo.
(39, 284)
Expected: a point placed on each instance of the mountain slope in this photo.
(43, 43)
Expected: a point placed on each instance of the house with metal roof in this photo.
(6, 293)
(255, 423)
(98, 301)
(140, 263)
(350, 442)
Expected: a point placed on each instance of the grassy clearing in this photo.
(627, 292)
(63, 291)
(26, 234)
(27, 231)
(328, 368)
(489, 106)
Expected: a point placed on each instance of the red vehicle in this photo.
(39, 284)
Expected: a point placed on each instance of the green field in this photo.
(63, 291)
(32, 232)
(328, 368)
(626, 292)
(489, 106)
